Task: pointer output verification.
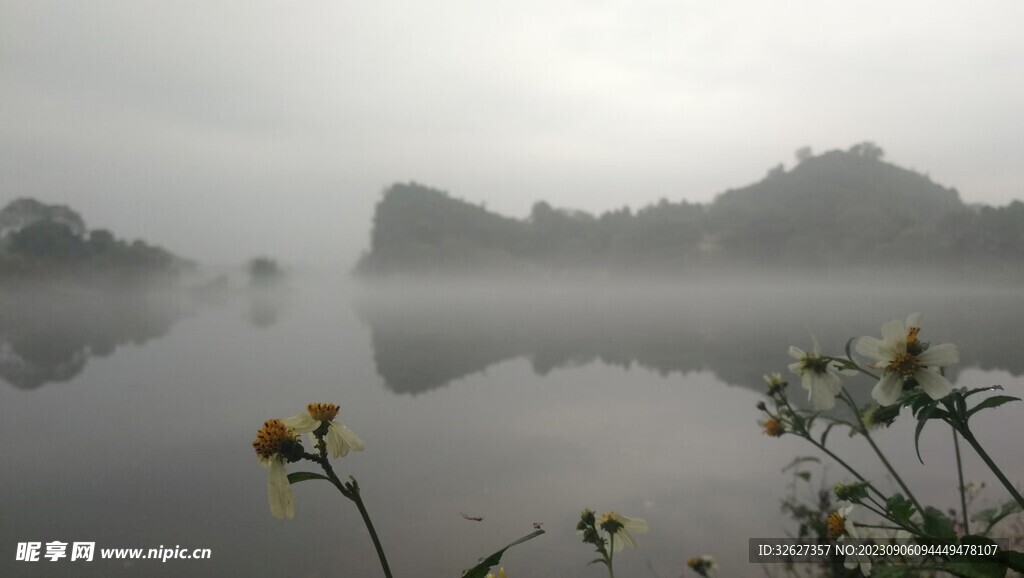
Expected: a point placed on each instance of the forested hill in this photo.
(838, 208)
(41, 241)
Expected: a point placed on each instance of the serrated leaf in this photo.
(481, 569)
(296, 477)
(900, 508)
(994, 401)
(938, 526)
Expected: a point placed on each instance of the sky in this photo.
(223, 130)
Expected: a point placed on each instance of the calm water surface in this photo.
(127, 421)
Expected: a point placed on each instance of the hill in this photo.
(40, 241)
(840, 208)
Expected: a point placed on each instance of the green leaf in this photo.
(992, 516)
(917, 401)
(481, 569)
(900, 508)
(971, 392)
(938, 526)
(296, 477)
(994, 401)
(922, 419)
(1012, 559)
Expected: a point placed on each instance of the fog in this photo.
(600, 242)
(247, 128)
(519, 403)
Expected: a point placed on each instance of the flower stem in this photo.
(369, 526)
(611, 554)
(807, 435)
(878, 452)
(351, 491)
(960, 477)
(992, 465)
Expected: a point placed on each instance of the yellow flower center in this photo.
(323, 411)
(773, 428)
(271, 437)
(836, 525)
(912, 334)
(905, 364)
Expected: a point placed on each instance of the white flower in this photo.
(622, 529)
(840, 526)
(273, 439)
(819, 376)
(856, 560)
(902, 358)
(340, 439)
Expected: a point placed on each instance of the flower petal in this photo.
(340, 440)
(822, 390)
(301, 422)
(913, 320)
(894, 331)
(623, 540)
(933, 383)
(869, 347)
(279, 491)
(796, 353)
(888, 389)
(940, 355)
(635, 525)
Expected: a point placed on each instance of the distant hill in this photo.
(40, 241)
(837, 209)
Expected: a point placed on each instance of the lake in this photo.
(127, 420)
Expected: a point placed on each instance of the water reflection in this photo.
(427, 342)
(266, 304)
(49, 336)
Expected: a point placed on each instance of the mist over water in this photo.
(516, 403)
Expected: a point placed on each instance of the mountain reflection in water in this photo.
(49, 336)
(427, 340)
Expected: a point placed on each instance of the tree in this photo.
(803, 154)
(868, 150)
(48, 240)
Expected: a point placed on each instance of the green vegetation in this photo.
(46, 241)
(837, 209)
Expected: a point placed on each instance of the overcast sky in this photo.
(227, 129)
